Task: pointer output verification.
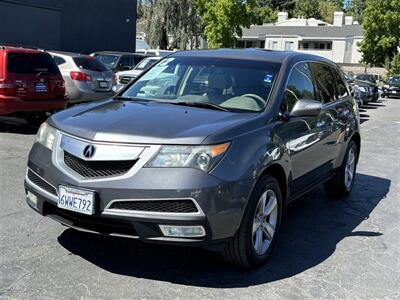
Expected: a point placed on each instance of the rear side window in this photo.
(125, 61)
(59, 60)
(300, 86)
(89, 63)
(325, 82)
(341, 90)
(31, 63)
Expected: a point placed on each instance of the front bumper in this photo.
(362, 97)
(392, 92)
(220, 204)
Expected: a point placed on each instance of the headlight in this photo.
(386, 86)
(46, 136)
(363, 88)
(200, 157)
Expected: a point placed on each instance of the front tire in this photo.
(341, 184)
(255, 239)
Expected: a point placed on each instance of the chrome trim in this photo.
(103, 151)
(199, 215)
(147, 152)
(38, 188)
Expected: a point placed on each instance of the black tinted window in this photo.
(137, 59)
(59, 60)
(341, 90)
(300, 86)
(325, 82)
(31, 63)
(125, 61)
(89, 63)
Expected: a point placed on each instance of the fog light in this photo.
(32, 198)
(182, 231)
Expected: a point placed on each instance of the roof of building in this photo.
(261, 31)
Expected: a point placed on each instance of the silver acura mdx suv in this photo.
(205, 148)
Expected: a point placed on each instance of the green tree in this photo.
(307, 9)
(381, 22)
(327, 8)
(172, 24)
(222, 19)
(393, 66)
(355, 8)
(264, 12)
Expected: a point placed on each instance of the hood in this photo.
(145, 123)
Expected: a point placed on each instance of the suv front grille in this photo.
(37, 180)
(95, 169)
(125, 79)
(165, 206)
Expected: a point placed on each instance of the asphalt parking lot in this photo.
(348, 249)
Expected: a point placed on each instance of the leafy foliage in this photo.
(393, 66)
(172, 23)
(381, 20)
(222, 19)
(355, 8)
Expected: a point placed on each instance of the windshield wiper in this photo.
(201, 105)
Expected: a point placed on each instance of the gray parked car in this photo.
(206, 148)
(86, 79)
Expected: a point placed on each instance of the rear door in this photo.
(35, 75)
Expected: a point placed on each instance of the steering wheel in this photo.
(260, 101)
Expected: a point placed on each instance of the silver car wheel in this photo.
(265, 220)
(350, 168)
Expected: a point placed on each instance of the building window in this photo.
(317, 45)
(289, 46)
(274, 45)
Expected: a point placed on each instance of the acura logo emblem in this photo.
(89, 151)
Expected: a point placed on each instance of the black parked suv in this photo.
(119, 61)
(206, 148)
(370, 81)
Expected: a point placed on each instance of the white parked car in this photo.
(155, 52)
(125, 77)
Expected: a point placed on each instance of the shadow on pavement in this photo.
(314, 226)
(15, 125)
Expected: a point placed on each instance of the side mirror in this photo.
(306, 108)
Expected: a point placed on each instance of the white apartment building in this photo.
(337, 41)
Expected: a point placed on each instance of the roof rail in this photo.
(3, 45)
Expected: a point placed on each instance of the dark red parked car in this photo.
(31, 85)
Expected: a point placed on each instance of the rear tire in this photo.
(341, 184)
(256, 237)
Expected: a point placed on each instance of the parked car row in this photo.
(35, 83)
(364, 88)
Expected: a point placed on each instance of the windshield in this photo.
(89, 63)
(237, 85)
(395, 79)
(108, 60)
(145, 64)
(366, 77)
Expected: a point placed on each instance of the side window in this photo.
(299, 86)
(59, 60)
(325, 82)
(125, 62)
(341, 90)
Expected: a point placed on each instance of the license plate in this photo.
(103, 84)
(76, 200)
(41, 88)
